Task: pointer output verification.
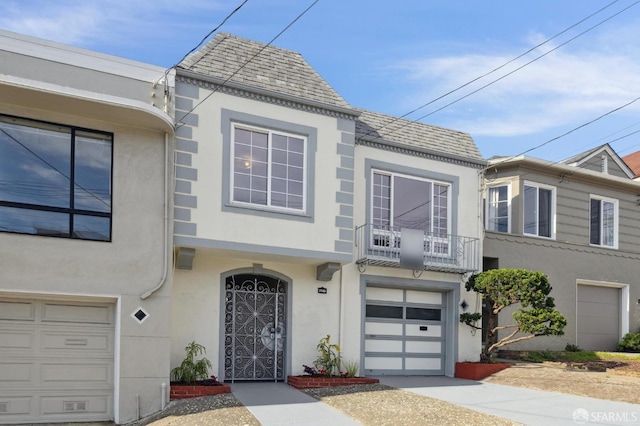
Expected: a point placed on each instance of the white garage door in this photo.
(404, 332)
(56, 361)
(598, 317)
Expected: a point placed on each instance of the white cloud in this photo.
(573, 84)
(83, 23)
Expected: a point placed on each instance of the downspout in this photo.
(165, 263)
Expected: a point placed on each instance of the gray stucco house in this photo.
(86, 143)
(578, 222)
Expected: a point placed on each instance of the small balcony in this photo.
(382, 246)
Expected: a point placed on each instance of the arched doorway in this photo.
(254, 327)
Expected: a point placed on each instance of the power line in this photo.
(493, 70)
(247, 62)
(566, 133)
(206, 37)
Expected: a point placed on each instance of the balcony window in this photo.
(401, 201)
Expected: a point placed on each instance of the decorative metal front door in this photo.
(254, 328)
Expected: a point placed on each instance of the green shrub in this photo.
(630, 343)
(572, 348)
(191, 370)
(328, 362)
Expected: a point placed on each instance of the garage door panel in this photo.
(432, 330)
(599, 309)
(74, 405)
(386, 294)
(66, 374)
(591, 324)
(382, 345)
(82, 343)
(383, 328)
(383, 363)
(76, 313)
(424, 297)
(423, 364)
(19, 373)
(17, 311)
(16, 340)
(423, 347)
(598, 294)
(15, 406)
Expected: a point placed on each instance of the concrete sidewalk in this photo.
(522, 405)
(280, 404)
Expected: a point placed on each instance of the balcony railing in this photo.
(382, 246)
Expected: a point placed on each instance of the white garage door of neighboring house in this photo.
(598, 317)
(404, 332)
(56, 361)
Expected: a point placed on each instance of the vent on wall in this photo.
(74, 406)
(140, 315)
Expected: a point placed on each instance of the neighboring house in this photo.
(85, 167)
(578, 222)
(633, 161)
(290, 206)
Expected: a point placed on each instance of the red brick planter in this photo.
(306, 382)
(478, 370)
(194, 391)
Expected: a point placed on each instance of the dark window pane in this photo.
(241, 180)
(544, 212)
(296, 145)
(294, 202)
(36, 222)
(594, 235)
(425, 314)
(278, 199)
(530, 209)
(377, 311)
(242, 136)
(35, 163)
(411, 203)
(296, 159)
(91, 228)
(242, 195)
(92, 189)
(259, 197)
(279, 157)
(279, 142)
(259, 139)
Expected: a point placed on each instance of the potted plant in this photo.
(191, 378)
(329, 369)
(535, 317)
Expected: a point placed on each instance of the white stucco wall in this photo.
(316, 235)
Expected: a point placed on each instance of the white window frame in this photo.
(552, 219)
(488, 204)
(393, 236)
(616, 211)
(270, 132)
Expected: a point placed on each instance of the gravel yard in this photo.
(374, 405)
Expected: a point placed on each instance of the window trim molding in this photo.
(228, 119)
(616, 220)
(553, 213)
(451, 180)
(71, 210)
(509, 206)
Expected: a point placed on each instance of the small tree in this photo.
(536, 315)
(190, 370)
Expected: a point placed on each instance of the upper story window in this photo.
(498, 209)
(268, 168)
(55, 180)
(603, 220)
(401, 201)
(539, 210)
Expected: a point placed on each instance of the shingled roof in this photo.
(384, 129)
(275, 69)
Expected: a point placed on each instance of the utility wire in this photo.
(565, 134)
(205, 37)
(524, 65)
(247, 62)
(493, 70)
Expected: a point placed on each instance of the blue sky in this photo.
(394, 57)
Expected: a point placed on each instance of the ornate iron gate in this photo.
(254, 328)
